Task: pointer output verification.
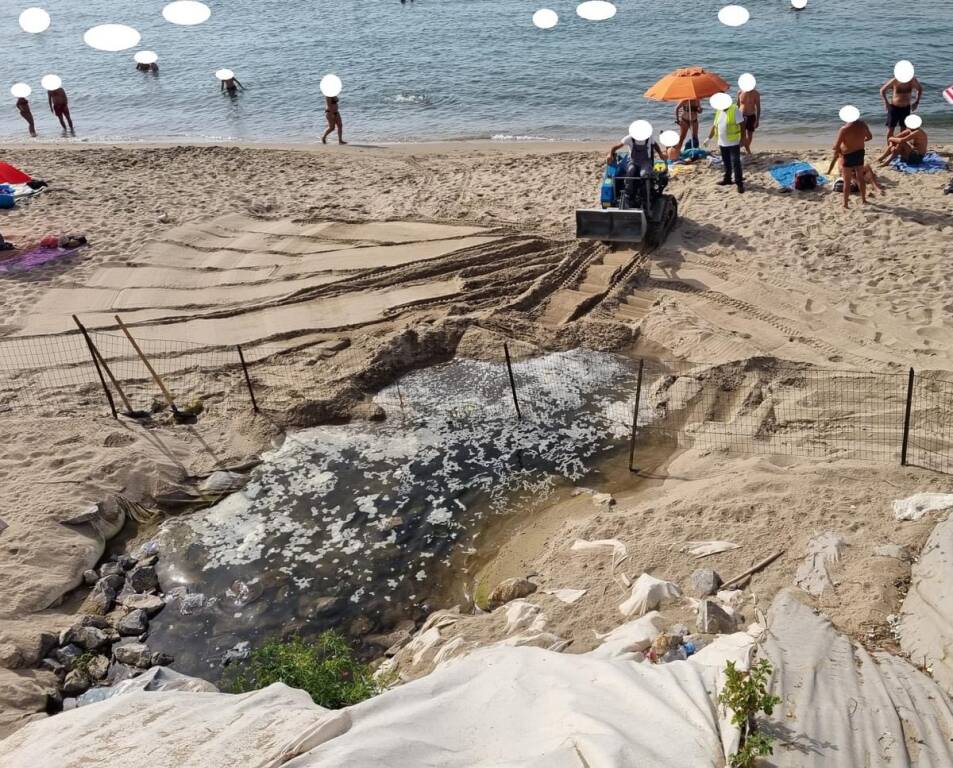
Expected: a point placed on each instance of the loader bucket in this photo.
(611, 225)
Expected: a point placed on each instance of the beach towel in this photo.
(35, 257)
(932, 163)
(784, 174)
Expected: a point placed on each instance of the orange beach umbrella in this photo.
(687, 83)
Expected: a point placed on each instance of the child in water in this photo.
(24, 107)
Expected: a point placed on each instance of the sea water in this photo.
(458, 69)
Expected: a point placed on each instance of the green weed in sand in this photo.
(746, 694)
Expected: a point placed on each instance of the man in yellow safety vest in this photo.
(728, 125)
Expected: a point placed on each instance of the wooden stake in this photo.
(754, 569)
(145, 361)
(97, 354)
(99, 370)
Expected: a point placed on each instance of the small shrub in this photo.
(746, 694)
(326, 668)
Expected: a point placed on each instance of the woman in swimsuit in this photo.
(686, 116)
(850, 145)
(23, 106)
(333, 114)
(902, 102)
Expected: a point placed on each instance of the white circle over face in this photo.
(913, 122)
(903, 71)
(331, 86)
(186, 13)
(641, 130)
(224, 74)
(720, 101)
(596, 10)
(146, 57)
(849, 113)
(34, 21)
(112, 37)
(747, 82)
(799, 4)
(733, 15)
(668, 138)
(544, 18)
(51, 82)
(21, 90)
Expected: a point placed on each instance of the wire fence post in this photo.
(99, 371)
(906, 421)
(509, 368)
(251, 390)
(635, 418)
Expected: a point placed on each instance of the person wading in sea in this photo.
(27, 114)
(59, 106)
(232, 85)
(333, 114)
(901, 104)
(850, 144)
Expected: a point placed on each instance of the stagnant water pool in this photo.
(361, 526)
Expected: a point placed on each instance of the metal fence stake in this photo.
(99, 371)
(251, 390)
(509, 368)
(906, 421)
(635, 418)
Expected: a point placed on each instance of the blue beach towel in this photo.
(784, 174)
(932, 163)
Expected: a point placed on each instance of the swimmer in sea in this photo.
(333, 114)
(59, 106)
(27, 114)
(153, 67)
(850, 145)
(232, 85)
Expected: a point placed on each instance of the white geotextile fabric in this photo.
(648, 593)
(920, 504)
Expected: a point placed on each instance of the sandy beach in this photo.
(378, 260)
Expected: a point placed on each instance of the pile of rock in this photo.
(107, 645)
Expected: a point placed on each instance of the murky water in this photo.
(360, 526)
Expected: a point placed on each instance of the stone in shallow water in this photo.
(133, 623)
(151, 604)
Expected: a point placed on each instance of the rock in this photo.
(101, 599)
(111, 569)
(368, 412)
(160, 659)
(119, 672)
(895, 551)
(90, 638)
(223, 482)
(90, 577)
(714, 620)
(133, 623)
(238, 652)
(67, 655)
(391, 523)
(705, 582)
(53, 665)
(113, 581)
(360, 626)
(148, 560)
(89, 515)
(69, 703)
(76, 682)
(97, 667)
(143, 579)
(326, 605)
(133, 654)
(603, 499)
(511, 589)
(127, 562)
(99, 622)
(151, 604)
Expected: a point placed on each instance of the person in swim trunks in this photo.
(902, 102)
(850, 145)
(231, 86)
(59, 106)
(333, 114)
(750, 104)
(686, 117)
(910, 145)
(27, 114)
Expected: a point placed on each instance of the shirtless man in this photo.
(59, 106)
(901, 104)
(153, 67)
(850, 144)
(910, 144)
(27, 114)
(750, 104)
(232, 85)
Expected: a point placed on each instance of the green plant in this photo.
(746, 694)
(326, 669)
(82, 662)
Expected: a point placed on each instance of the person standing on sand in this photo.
(333, 114)
(27, 114)
(727, 125)
(850, 144)
(686, 117)
(59, 106)
(902, 103)
(750, 104)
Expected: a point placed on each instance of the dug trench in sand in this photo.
(366, 288)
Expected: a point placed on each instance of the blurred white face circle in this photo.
(849, 113)
(720, 101)
(913, 122)
(641, 130)
(799, 4)
(596, 10)
(146, 57)
(903, 71)
(34, 21)
(224, 74)
(668, 138)
(186, 13)
(21, 90)
(51, 82)
(331, 86)
(733, 15)
(747, 82)
(112, 37)
(544, 18)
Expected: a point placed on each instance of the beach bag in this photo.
(805, 180)
(7, 201)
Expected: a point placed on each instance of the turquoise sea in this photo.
(458, 69)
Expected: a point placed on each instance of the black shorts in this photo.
(751, 122)
(897, 115)
(854, 159)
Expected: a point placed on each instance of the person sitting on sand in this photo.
(850, 144)
(640, 162)
(901, 104)
(5, 246)
(232, 85)
(910, 144)
(750, 104)
(27, 114)
(59, 106)
(333, 114)
(870, 178)
(686, 117)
